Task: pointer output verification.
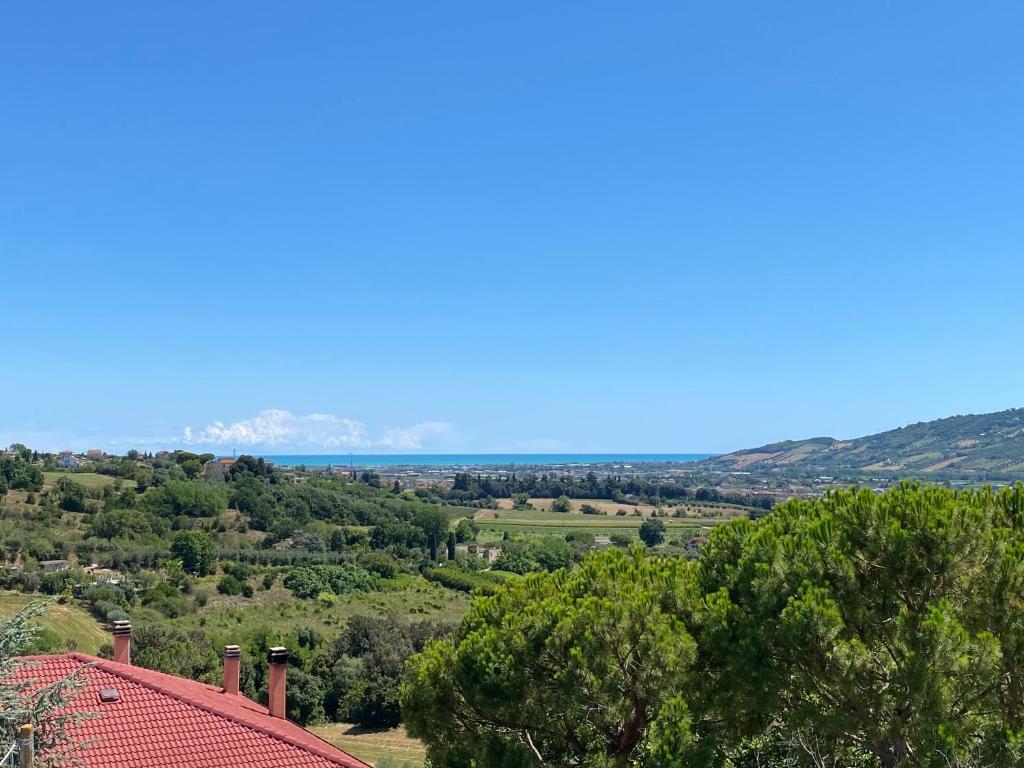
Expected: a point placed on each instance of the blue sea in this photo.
(480, 459)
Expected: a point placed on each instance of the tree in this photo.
(433, 521)
(561, 504)
(196, 550)
(22, 701)
(652, 532)
(466, 531)
(451, 545)
(880, 630)
(365, 667)
(563, 669)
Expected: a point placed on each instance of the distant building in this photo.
(490, 554)
(602, 541)
(693, 545)
(67, 460)
(461, 549)
(55, 566)
(217, 469)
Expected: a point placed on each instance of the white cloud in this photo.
(277, 428)
(412, 437)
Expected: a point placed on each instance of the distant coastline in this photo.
(480, 459)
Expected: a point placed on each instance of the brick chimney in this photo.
(278, 661)
(232, 657)
(123, 641)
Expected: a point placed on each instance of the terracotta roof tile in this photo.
(163, 721)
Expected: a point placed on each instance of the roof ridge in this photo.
(122, 670)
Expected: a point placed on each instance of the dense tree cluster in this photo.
(883, 631)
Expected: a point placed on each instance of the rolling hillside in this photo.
(989, 445)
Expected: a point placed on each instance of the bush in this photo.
(561, 504)
(308, 581)
(229, 585)
(462, 581)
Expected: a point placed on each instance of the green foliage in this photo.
(463, 581)
(181, 497)
(72, 495)
(561, 504)
(433, 521)
(562, 669)
(466, 531)
(196, 550)
(652, 532)
(878, 629)
(309, 581)
(229, 585)
(16, 473)
(166, 599)
(188, 654)
(365, 667)
(126, 524)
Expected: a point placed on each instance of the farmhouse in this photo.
(490, 554)
(55, 566)
(147, 719)
(693, 545)
(217, 469)
(67, 460)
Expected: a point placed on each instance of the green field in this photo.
(74, 628)
(538, 521)
(385, 749)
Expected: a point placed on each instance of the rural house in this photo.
(217, 469)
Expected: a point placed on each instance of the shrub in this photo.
(229, 585)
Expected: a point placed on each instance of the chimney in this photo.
(278, 660)
(232, 656)
(123, 641)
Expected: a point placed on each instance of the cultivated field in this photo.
(527, 521)
(690, 508)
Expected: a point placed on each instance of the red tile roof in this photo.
(163, 721)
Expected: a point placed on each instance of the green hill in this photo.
(65, 626)
(989, 445)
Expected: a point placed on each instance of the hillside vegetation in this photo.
(983, 446)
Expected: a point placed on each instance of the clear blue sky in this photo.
(465, 226)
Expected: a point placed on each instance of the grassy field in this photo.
(68, 622)
(534, 521)
(411, 596)
(88, 479)
(382, 749)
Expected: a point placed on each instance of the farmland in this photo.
(698, 519)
